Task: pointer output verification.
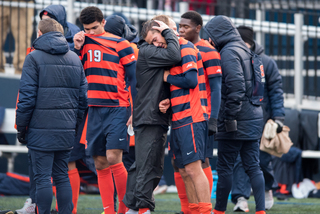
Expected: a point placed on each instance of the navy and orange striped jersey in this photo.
(211, 66)
(186, 103)
(103, 57)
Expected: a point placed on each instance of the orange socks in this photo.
(120, 175)
(194, 208)
(261, 212)
(205, 208)
(106, 187)
(218, 212)
(143, 210)
(182, 193)
(74, 178)
(208, 172)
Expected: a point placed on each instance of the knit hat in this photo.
(116, 25)
(246, 34)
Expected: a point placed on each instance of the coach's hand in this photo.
(212, 126)
(78, 40)
(21, 135)
(162, 26)
(164, 105)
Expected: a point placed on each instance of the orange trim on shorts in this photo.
(194, 142)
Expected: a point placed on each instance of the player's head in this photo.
(246, 34)
(190, 25)
(153, 36)
(168, 21)
(49, 25)
(92, 20)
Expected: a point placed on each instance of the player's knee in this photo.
(113, 159)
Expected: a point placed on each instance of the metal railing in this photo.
(288, 30)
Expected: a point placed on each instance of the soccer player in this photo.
(52, 101)
(189, 28)
(150, 124)
(108, 60)
(189, 125)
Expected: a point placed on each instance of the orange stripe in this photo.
(19, 177)
(214, 70)
(194, 143)
(180, 115)
(189, 65)
(128, 59)
(103, 95)
(188, 51)
(180, 100)
(102, 79)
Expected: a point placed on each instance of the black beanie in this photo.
(116, 25)
(246, 34)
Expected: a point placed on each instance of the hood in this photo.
(116, 25)
(53, 43)
(258, 49)
(221, 30)
(58, 12)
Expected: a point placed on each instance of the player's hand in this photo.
(78, 40)
(129, 121)
(162, 26)
(165, 75)
(164, 105)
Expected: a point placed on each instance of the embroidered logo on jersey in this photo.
(133, 57)
(218, 71)
(189, 65)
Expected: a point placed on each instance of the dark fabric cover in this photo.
(236, 87)
(152, 61)
(58, 12)
(10, 185)
(273, 93)
(116, 25)
(52, 94)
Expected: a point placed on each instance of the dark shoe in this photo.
(54, 211)
(6, 212)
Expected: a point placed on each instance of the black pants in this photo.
(145, 173)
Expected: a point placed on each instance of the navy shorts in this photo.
(78, 151)
(188, 143)
(106, 129)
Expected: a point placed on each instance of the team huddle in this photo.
(81, 98)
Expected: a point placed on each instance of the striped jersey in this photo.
(186, 103)
(103, 57)
(211, 66)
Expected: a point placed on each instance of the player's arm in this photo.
(78, 41)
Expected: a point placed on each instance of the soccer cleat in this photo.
(28, 208)
(146, 212)
(54, 211)
(6, 212)
(268, 197)
(241, 206)
(131, 211)
(214, 211)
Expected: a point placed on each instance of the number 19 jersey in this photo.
(104, 57)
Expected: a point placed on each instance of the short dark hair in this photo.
(194, 16)
(48, 25)
(147, 26)
(163, 18)
(90, 14)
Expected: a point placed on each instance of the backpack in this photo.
(258, 78)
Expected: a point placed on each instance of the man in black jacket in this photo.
(150, 125)
(272, 109)
(240, 122)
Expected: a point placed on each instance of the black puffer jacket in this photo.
(273, 94)
(236, 83)
(52, 94)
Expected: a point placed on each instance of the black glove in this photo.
(21, 135)
(231, 125)
(212, 126)
(279, 122)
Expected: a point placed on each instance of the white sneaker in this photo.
(268, 198)
(160, 189)
(147, 212)
(28, 208)
(131, 211)
(241, 206)
(306, 186)
(296, 192)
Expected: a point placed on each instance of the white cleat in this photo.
(131, 211)
(268, 198)
(28, 208)
(241, 206)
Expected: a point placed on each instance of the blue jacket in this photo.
(52, 94)
(59, 13)
(273, 94)
(236, 87)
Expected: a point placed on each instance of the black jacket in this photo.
(236, 87)
(151, 89)
(273, 93)
(52, 94)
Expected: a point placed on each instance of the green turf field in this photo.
(169, 203)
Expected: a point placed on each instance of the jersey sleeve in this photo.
(126, 53)
(212, 63)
